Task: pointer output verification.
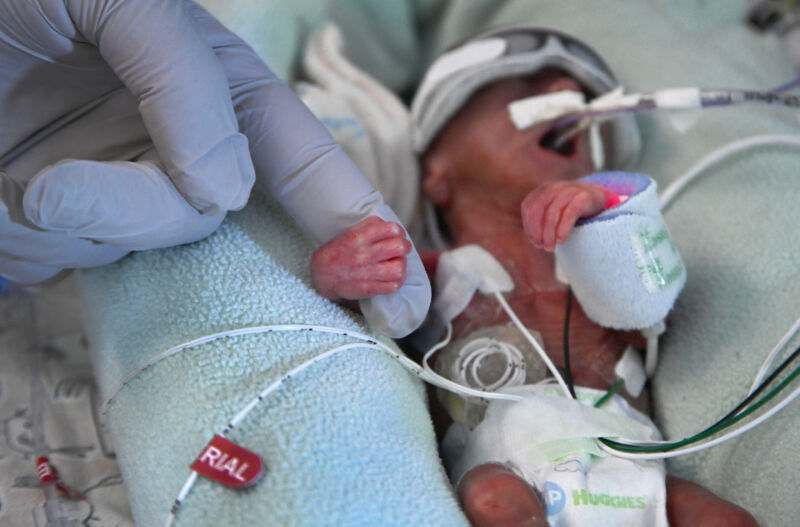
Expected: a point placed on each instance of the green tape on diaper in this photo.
(561, 449)
(657, 259)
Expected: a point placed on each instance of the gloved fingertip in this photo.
(220, 180)
(41, 201)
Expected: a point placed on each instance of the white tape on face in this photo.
(539, 108)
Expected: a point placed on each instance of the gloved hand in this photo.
(117, 127)
(299, 163)
(190, 165)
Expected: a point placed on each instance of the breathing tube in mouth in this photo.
(569, 117)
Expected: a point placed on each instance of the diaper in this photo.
(548, 440)
(621, 264)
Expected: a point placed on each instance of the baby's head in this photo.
(462, 129)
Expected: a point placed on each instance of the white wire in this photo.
(187, 486)
(701, 446)
(534, 343)
(294, 371)
(436, 347)
(677, 186)
(759, 378)
(773, 354)
(472, 355)
(434, 378)
(278, 328)
(458, 388)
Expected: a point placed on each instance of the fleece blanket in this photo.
(737, 227)
(346, 442)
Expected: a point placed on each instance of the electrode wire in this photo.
(533, 342)
(567, 367)
(631, 451)
(774, 353)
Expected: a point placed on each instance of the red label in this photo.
(228, 463)
(49, 475)
(46, 472)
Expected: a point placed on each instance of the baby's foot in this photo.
(493, 496)
(690, 505)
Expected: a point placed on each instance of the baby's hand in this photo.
(365, 260)
(550, 211)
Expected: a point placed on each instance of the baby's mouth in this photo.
(556, 141)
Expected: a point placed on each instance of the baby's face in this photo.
(484, 151)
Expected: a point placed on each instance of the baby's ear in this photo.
(436, 183)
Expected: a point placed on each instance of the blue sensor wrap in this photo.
(622, 265)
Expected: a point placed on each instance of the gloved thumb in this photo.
(130, 205)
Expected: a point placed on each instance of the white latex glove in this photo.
(299, 163)
(117, 133)
(116, 126)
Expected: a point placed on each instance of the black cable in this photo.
(760, 387)
(567, 368)
(730, 415)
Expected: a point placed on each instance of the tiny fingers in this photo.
(385, 249)
(382, 278)
(570, 215)
(390, 270)
(374, 229)
(552, 218)
(550, 212)
(533, 209)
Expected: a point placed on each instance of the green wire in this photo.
(624, 447)
(601, 401)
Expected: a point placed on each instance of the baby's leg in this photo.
(690, 505)
(493, 496)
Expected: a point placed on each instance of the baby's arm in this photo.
(365, 260)
(550, 211)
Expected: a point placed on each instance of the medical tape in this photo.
(540, 108)
(630, 369)
(533, 110)
(677, 98)
(453, 297)
(463, 271)
(613, 100)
